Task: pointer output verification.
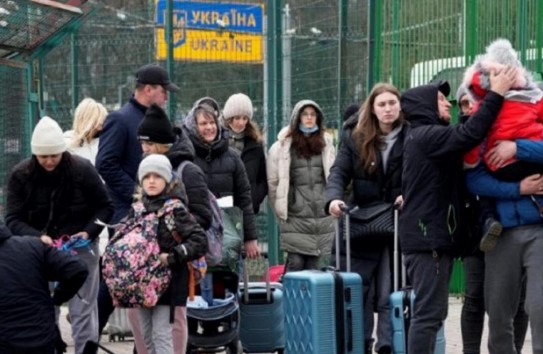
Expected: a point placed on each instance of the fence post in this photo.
(274, 104)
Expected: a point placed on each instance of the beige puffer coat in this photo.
(306, 231)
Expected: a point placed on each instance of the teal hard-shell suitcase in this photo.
(323, 309)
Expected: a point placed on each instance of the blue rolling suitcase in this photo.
(323, 309)
(262, 328)
(402, 304)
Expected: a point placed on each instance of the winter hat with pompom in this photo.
(499, 55)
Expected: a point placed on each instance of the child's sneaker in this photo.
(491, 231)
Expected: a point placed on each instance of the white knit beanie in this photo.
(155, 163)
(47, 138)
(238, 105)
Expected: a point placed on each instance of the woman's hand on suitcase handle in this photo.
(336, 208)
(398, 203)
(251, 249)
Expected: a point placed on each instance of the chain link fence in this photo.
(331, 51)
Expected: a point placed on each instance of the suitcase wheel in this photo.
(116, 338)
(235, 347)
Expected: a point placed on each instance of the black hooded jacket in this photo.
(432, 168)
(27, 265)
(193, 178)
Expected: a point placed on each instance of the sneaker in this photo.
(491, 232)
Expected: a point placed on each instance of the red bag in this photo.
(276, 272)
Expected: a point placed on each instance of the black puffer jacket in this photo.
(193, 245)
(225, 172)
(226, 176)
(27, 265)
(193, 178)
(63, 202)
(432, 168)
(254, 159)
(366, 188)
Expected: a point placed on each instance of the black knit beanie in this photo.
(156, 126)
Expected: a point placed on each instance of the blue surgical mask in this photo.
(306, 130)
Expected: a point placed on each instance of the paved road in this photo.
(452, 334)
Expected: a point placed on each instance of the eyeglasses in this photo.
(309, 114)
(538, 205)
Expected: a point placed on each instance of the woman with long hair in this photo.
(245, 137)
(370, 158)
(298, 166)
(82, 140)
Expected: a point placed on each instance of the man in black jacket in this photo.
(432, 174)
(27, 313)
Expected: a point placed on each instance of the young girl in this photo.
(157, 185)
(520, 117)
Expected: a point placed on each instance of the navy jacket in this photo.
(119, 155)
(513, 209)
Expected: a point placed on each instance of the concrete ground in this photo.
(452, 334)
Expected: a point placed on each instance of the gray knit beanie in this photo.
(155, 163)
(238, 104)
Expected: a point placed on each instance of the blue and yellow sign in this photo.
(212, 31)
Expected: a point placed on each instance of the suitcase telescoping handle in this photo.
(263, 255)
(343, 233)
(397, 255)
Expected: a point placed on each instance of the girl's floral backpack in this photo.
(131, 265)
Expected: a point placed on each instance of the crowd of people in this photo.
(472, 190)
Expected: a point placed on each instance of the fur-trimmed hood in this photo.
(499, 55)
